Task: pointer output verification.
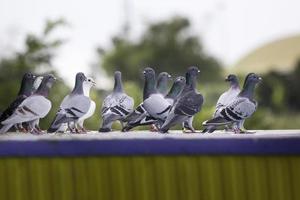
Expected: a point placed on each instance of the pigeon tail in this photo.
(218, 121)
(5, 128)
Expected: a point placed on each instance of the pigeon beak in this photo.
(198, 70)
(169, 76)
(260, 78)
(227, 79)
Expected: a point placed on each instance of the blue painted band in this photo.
(271, 146)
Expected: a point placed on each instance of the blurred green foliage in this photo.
(165, 46)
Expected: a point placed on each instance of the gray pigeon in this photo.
(175, 90)
(74, 106)
(32, 108)
(188, 104)
(154, 106)
(116, 106)
(241, 108)
(25, 91)
(162, 83)
(229, 95)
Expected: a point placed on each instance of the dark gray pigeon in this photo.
(162, 83)
(25, 91)
(32, 108)
(188, 104)
(116, 106)
(73, 107)
(241, 108)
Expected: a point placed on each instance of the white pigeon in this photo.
(116, 106)
(33, 108)
(241, 108)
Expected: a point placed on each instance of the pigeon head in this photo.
(162, 82)
(27, 84)
(46, 85)
(87, 85)
(249, 85)
(193, 71)
(191, 77)
(149, 72)
(252, 78)
(176, 88)
(233, 80)
(118, 87)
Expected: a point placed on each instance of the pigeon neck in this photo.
(86, 90)
(162, 86)
(78, 89)
(149, 87)
(25, 89)
(43, 89)
(234, 85)
(190, 82)
(248, 90)
(174, 92)
(118, 87)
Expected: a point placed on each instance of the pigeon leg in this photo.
(188, 125)
(153, 128)
(72, 129)
(20, 128)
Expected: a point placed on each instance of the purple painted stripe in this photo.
(278, 146)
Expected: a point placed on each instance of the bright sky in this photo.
(228, 28)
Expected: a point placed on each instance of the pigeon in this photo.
(175, 90)
(239, 109)
(87, 85)
(229, 95)
(162, 83)
(187, 105)
(116, 106)
(153, 107)
(33, 108)
(73, 107)
(25, 91)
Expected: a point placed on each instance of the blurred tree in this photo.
(281, 91)
(37, 56)
(165, 46)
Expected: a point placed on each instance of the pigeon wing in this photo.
(32, 108)
(12, 107)
(189, 104)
